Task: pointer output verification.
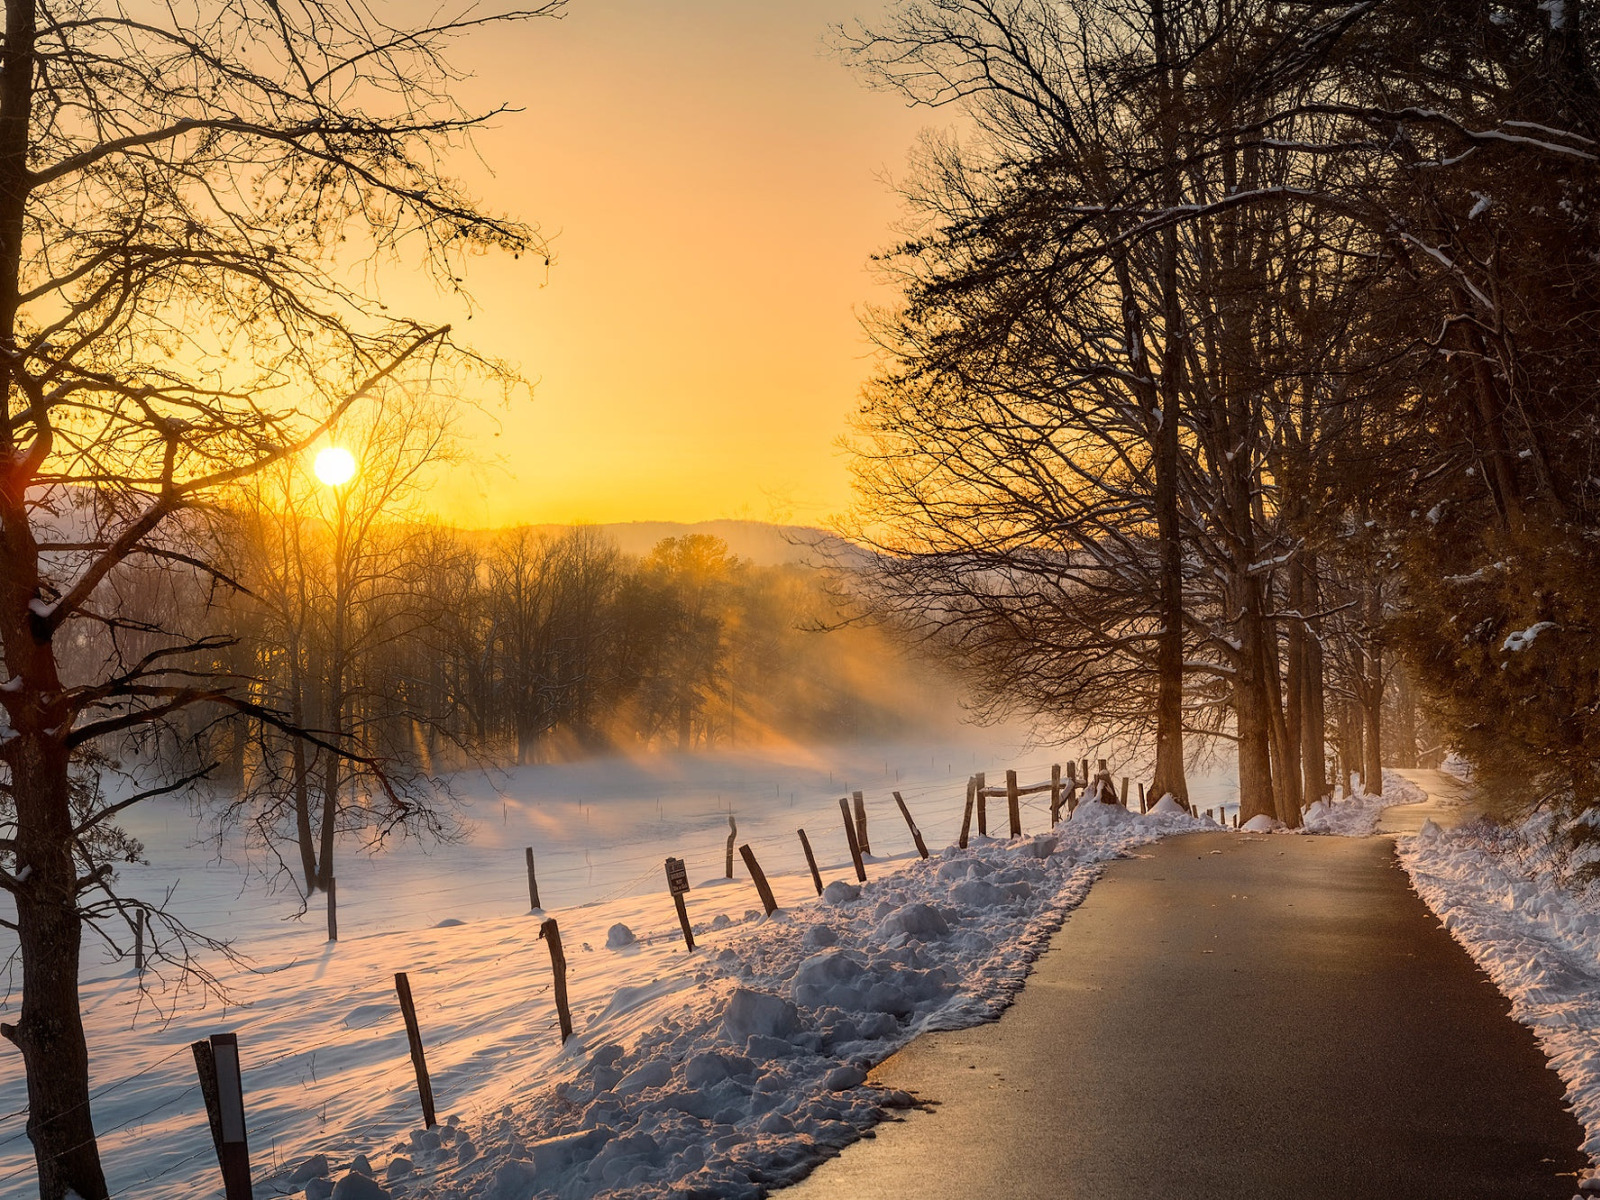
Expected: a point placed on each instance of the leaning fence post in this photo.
(1144, 803)
(966, 816)
(1124, 791)
(678, 884)
(811, 860)
(916, 834)
(983, 808)
(1013, 805)
(850, 836)
(408, 1010)
(861, 822)
(763, 889)
(533, 883)
(1055, 793)
(221, 1084)
(558, 970)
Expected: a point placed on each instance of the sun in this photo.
(334, 466)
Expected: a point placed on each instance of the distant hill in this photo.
(755, 541)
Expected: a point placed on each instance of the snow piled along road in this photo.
(1358, 815)
(1509, 895)
(731, 1071)
(724, 1072)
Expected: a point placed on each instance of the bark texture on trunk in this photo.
(1313, 706)
(49, 1031)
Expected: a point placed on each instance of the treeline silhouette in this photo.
(429, 648)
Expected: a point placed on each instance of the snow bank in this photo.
(736, 1069)
(1508, 895)
(1358, 816)
(724, 1072)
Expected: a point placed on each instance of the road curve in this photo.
(1232, 1017)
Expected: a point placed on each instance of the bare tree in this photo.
(177, 185)
(338, 579)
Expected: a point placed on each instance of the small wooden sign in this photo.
(677, 876)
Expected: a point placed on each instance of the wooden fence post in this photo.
(1072, 788)
(733, 832)
(408, 1010)
(533, 883)
(916, 834)
(678, 884)
(1055, 793)
(558, 971)
(861, 823)
(983, 809)
(850, 836)
(966, 816)
(1124, 791)
(1086, 776)
(333, 910)
(763, 889)
(811, 860)
(1144, 803)
(222, 1085)
(1013, 804)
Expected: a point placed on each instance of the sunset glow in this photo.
(335, 466)
(714, 182)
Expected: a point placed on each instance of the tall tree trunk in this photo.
(1295, 688)
(301, 769)
(50, 931)
(1170, 776)
(1313, 705)
(1251, 706)
(1372, 695)
(1285, 750)
(49, 1031)
(1403, 745)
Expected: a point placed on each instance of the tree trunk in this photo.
(50, 931)
(1295, 678)
(1285, 750)
(49, 1031)
(1252, 709)
(1403, 745)
(1372, 721)
(1170, 777)
(1313, 711)
(301, 770)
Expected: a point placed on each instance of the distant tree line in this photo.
(426, 649)
(1243, 381)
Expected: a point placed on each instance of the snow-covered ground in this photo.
(1358, 815)
(1511, 897)
(723, 1071)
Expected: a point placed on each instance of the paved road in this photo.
(1449, 803)
(1236, 1018)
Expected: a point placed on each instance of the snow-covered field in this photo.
(1509, 895)
(722, 1071)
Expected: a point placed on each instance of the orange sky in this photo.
(713, 179)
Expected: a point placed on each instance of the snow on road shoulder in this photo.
(1508, 895)
(738, 1068)
(1359, 815)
